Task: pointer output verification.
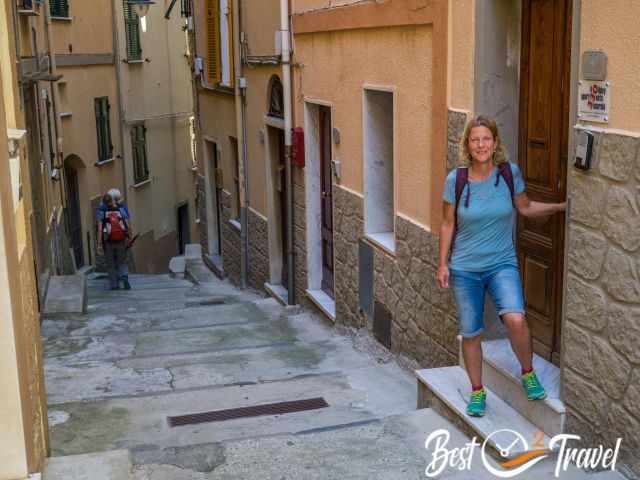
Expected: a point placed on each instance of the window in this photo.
(132, 31)
(378, 128)
(52, 150)
(59, 8)
(139, 149)
(219, 60)
(103, 128)
(235, 207)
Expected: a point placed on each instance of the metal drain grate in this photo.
(244, 412)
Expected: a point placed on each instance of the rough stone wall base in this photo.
(258, 250)
(231, 242)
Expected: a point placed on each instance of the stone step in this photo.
(66, 294)
(501, 373)
(447, 391)
(198, 272)
(110, 465)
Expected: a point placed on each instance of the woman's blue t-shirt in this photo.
(485, 229)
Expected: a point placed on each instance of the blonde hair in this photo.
(499, 155)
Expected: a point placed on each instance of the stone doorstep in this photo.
(501, 373)
(214, 262)
(449, 387)
(278, 292)
(324, 302)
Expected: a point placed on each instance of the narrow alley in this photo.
(171, 347)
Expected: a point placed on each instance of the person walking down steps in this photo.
(113, 238)
(477, 251)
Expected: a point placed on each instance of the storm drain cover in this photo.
(245, 412)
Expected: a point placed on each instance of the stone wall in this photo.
(457, 121)
(231, 242)
(300, 237)
(258, 250)
(601, 333)
(424, 324)
(201, 212)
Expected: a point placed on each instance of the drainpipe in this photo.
(241, 128)
(286, 87)
(118, 64)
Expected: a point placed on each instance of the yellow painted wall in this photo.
(86, 32)
(260, 20)
(336, 66)
(300, 6)
(78, 89)
(461, 54)
(218, 123)
(614, 29)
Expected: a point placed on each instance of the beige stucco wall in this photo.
(87, 31)
(78, 89)
(336, 68)
(614, 30)
(218, 123)
(158, 92)
(460, 80)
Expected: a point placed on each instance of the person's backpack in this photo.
(115, 225)
(462, 180)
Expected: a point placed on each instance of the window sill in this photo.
(235, 224)
(384, 240)
(62, 19)
(219, 89)
(65, 114)
(104, 162)
(134, 62)
(141, 184)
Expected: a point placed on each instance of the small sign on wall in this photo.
(593, 101)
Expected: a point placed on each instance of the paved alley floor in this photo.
(169, 348)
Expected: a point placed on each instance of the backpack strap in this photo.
(462, 178)
(504, 171)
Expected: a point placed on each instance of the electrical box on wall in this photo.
(297, 157)
(584, 150)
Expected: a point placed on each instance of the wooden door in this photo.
(543, 145)
(282, 192)
(73, 210)
(326, 201)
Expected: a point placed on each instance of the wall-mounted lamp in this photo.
(141, 7)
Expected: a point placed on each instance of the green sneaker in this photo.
(533, 387)
(476, 405)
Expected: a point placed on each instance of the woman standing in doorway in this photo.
(477, 251)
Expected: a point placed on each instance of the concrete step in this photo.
(447, 390)
(66, 294)
(501, 373)
(198, 272)
(110, 465)
(135, 422)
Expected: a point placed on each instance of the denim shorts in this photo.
(505, 288)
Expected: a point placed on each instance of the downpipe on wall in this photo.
(241, 126)
(288, 125)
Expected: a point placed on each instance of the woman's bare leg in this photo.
(472, 354)
(520, 338)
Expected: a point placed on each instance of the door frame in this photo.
(213, 208)
(573, 59)
(313, 190)
(274, 126)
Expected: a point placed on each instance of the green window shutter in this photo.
(132, 31)
(59, 8)
(103, 128)
(139, 150)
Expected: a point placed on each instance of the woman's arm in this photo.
(446, 236)
(532, 209)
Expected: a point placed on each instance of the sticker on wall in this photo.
(593, 101)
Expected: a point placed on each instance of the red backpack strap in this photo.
(504, 171)
(462, 178)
